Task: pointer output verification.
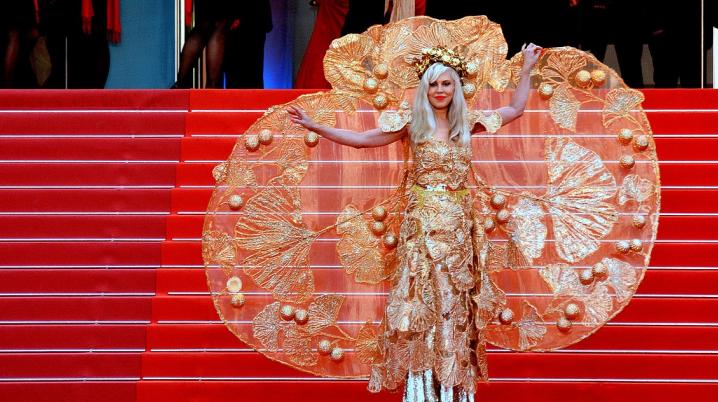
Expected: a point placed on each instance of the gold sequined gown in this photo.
(300, 268)
(430, 342)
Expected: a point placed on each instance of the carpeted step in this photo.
(674, 281)
(338, 174)
(498, 390)
(39, 281)
(93, 100)
(87, 174)
(88, 227)
(86, 253)
(101, 123)
(673, 228)
(72, 390)
(674, 148)
(679, 310)
(673, 254)
(58, 309)
(44, 150)
(195, 200)
(117, 200)
(71, 365)
(548, 365)
(69, 337)
(209, 337)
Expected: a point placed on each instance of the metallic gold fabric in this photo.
(530, 240)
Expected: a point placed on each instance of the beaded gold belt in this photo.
(423, 192)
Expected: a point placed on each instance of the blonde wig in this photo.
(423, 122)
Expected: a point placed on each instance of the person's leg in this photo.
(665, 72)
(191, 51)
(12, 50)
(215, 54)
(629, 50)
(245, 69)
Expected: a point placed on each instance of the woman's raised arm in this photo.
(367, 139)
(521, 94)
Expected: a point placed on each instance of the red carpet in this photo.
(103, 294)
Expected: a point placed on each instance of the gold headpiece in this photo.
(441, 55)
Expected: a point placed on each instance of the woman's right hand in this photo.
(299, 116)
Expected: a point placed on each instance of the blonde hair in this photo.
(423, 121)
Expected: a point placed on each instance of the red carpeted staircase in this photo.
(103, 294)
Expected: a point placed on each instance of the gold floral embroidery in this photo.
(578, 187)
(635, 188)
(597, 305)
(358, 248)
(622, 277)
(530, 232)
(530, 327)
(323, 313)
(367, 344)
(564, 107)
(620, 102)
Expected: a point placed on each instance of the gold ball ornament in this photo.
(380, 101)
(572, 311)
(265, 137)
(627, 161)
(639, 221)
(545, 90)
(301, 316)
(503, 216)
(563, 324)
(234, 284)
(238, 300)
(469, 90)
(219, 172)
(371, 85)
(498, 201)
(472, 69)
(636, 245)
(381, 71)
(324, 347)
(640, 143)
(287, 312)
(489, 225)
(583, 78)
(311, 139)
(378, 213)
(378, 228)
(390, 240)
(598, 77)
(623, 246)
(625, 136)
(251, 142)
(506, 316)
(236, 202)
(337, 354)
(586, 276)
(599, 270)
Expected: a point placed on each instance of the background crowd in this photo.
(65, 43)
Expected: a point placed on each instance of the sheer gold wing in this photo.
(300, 234)
(571, 204)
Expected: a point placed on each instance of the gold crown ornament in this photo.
(440, 54)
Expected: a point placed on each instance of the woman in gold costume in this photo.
(430, 302)
(382, 259)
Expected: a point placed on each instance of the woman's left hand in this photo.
(531, 54)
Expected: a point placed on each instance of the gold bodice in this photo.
(441, 166)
